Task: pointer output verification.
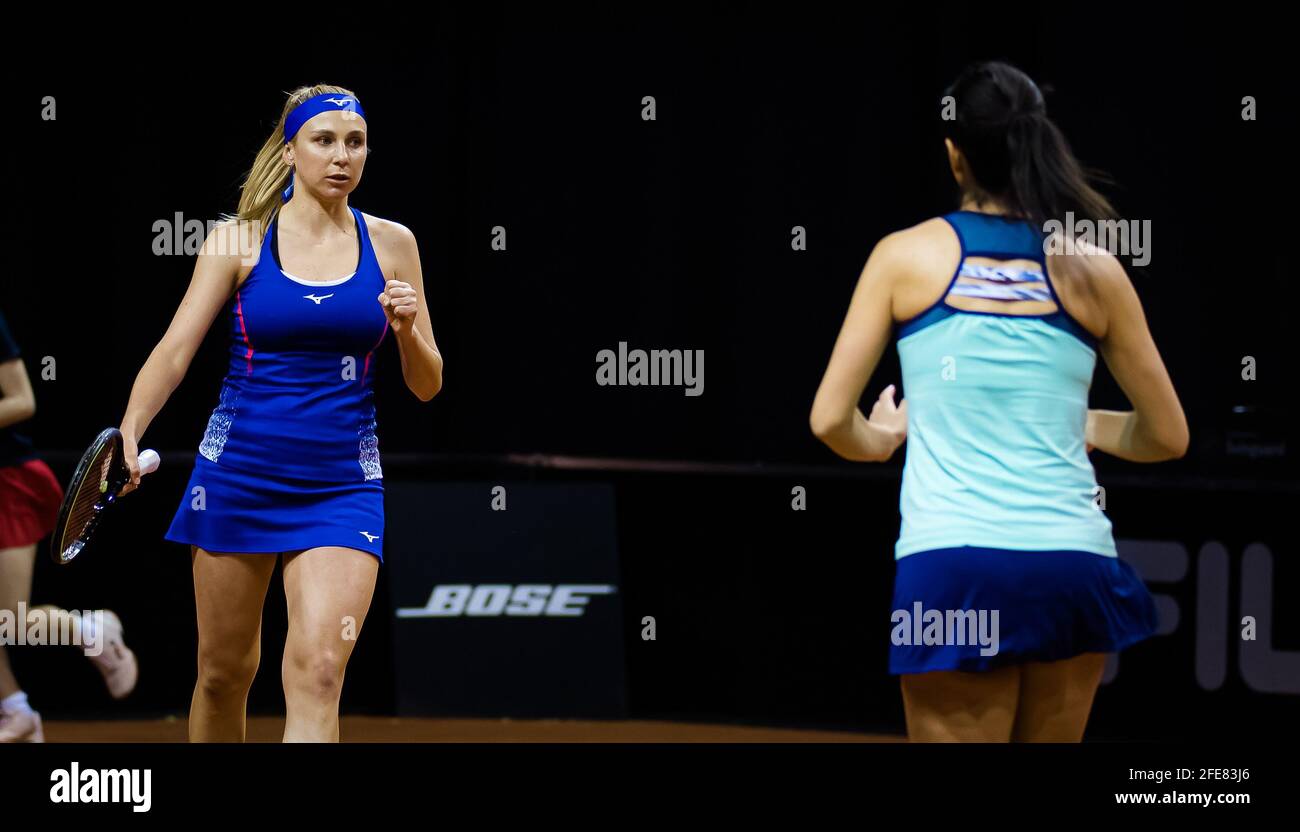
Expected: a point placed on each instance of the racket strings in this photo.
(84, 513)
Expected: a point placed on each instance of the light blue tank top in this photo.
(997, 405)
(298, 399)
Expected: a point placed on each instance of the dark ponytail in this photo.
(1015, 153)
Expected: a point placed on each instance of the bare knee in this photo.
(316, 673)
(223, 676)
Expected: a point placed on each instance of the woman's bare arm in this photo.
(1156, 429)
(835, 417)
(416, 347)
(210, 287)
(19, 403)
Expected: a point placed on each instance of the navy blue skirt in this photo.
(242, 512)
(974, 608)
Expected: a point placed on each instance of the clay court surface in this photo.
(405, 729)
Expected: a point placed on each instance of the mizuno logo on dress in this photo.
(370, 538)
(319, 299)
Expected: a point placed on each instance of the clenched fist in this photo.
(400, 304)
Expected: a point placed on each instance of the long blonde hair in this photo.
(259, 199)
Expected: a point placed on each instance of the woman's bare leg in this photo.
(960, 706)
(328, 592)
(1056, 698)
(229, 591)
(16, 566)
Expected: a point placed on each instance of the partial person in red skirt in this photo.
(30, 496)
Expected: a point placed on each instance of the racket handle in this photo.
(148, 461)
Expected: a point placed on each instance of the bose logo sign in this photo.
(563, 600)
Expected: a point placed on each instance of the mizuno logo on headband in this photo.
(314, 106)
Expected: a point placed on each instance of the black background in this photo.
(666, 234)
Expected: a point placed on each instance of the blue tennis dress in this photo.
(290, 459)
(1003, 555)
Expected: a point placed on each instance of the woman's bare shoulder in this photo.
(1085, 269)
(389, 233)
(928, 246)
(393, 242)
(232, 236)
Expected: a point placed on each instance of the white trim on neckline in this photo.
(344, 279)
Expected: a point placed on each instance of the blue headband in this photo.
(314, 106)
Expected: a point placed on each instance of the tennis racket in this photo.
(95, 485)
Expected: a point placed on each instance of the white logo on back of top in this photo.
(319, 299)
(370, 538)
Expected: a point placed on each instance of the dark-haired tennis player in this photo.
(29, 508)
(289, 463)
(998, 337)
